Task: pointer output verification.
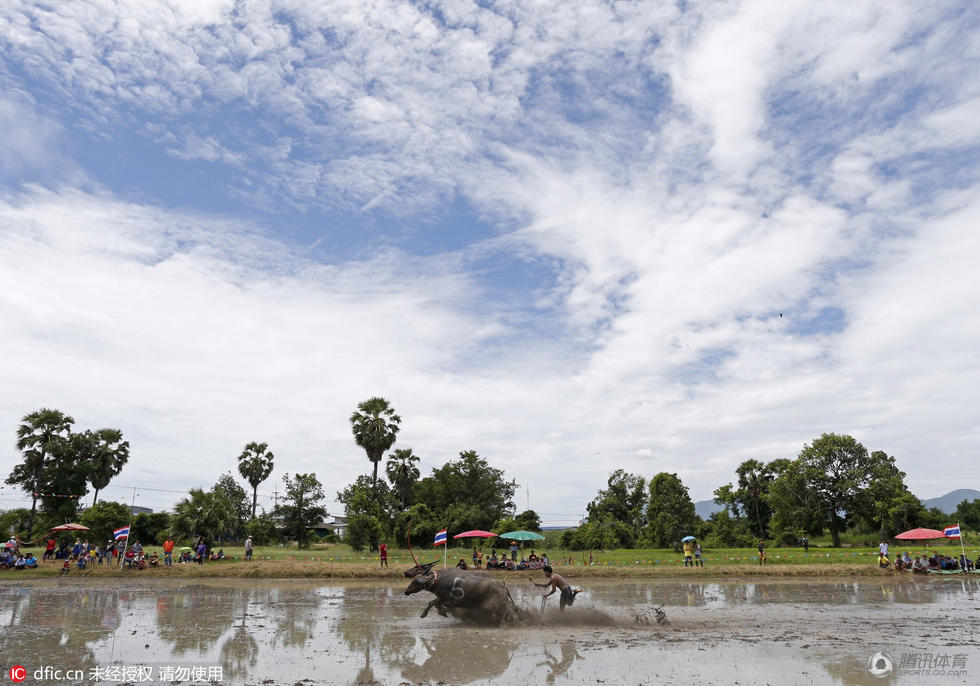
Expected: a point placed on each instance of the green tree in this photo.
(467, 493)
(65, 479)
(624, 500)
(968, 514)
(724, 531)
(264, 530)
(525, 521)
(227, 487)
(107, 454)
(363, 531)
(102, 518)
(39, 436)
(886, 506)
(151, 527)
(601, 534)
(255, 465)
(824, 485)
(402, 472)
(301, 510)
(670, 514)
(204, 513)
(16, 521)
(375, 426)
(423, 522)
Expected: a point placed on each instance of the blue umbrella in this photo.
(688, 538)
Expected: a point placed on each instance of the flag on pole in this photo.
(952, 531)
(118, 534)
(440, 538)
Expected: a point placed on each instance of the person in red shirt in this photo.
(49, 550)
(383, 553)
(168, 549)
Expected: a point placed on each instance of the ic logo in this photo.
(17, 674)
(880, 665)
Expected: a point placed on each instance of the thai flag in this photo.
(120, 533)
(952, 531)
(440, 538)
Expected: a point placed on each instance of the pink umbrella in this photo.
(919, 535)
(477, 533)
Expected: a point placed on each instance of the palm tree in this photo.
(402, 472)
(110, 453)
(255, 466)
(203, 513)
(39, 435)
(374, 425)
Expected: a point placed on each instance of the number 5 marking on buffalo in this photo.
(456, 591)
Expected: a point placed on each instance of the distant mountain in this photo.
(706, 508)
(947, 503)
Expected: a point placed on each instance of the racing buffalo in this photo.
(471, 596)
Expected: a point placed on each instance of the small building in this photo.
(337, 525)
(139, 509)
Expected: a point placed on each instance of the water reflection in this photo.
(557, 667)
(192, 619)
(52, 626)
(273, 630)
(914, 590)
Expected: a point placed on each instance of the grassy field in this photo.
(339, 561)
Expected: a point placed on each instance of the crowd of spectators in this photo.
(532, 561)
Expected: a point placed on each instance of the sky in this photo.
(572, 236)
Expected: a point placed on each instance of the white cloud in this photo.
(686, 175)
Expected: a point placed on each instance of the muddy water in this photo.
(279, 632)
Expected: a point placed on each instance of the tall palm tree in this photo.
(255, 465)
(109, 455)
(39, 435)
(402, 472)
(374, 425)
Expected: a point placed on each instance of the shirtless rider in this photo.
(557, 583)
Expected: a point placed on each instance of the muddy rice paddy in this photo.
(311, 632)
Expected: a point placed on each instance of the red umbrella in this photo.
(920, 535)
(477, 533)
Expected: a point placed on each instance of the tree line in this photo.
(834, 485)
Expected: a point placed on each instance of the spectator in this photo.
(248, 550)
(762, 553)
(918, 566)
(202, 550)
(168, 550)
(461, 564)
(698, 562)
(30, 561)
(383, 553)
(49, 549)
(806, 544)
(65, 567)
(883, 548)
(513, 552)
